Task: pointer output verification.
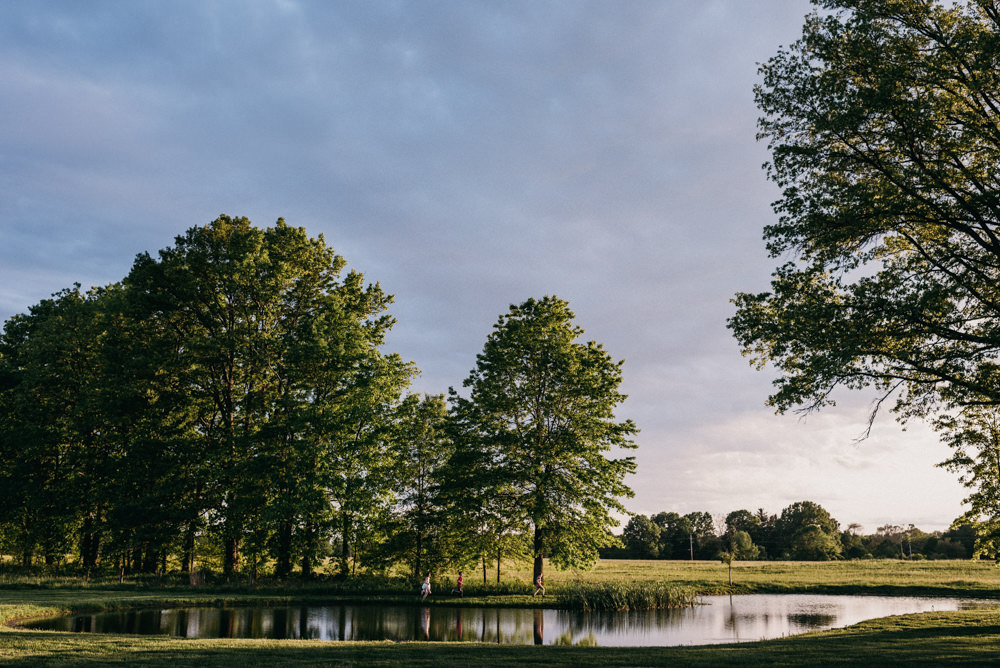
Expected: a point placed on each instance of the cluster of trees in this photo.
(883, 125)
(229, 403)
(802, 531)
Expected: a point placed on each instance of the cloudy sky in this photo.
(467, 155)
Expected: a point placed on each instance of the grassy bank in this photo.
(879, 576)
(968, 637)
(932, 639)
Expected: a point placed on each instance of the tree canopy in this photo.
(883, 123)
(229, 405)
(540, 423)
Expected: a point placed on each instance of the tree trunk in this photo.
(416, 562)
(85, 538)
(230, 556)
(345, 550)
(539, 545)
(188, 559)
(150, 558)
(283, 562)
(90, 543)
(27, 544)
(307, 550)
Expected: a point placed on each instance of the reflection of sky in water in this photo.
(721, 619)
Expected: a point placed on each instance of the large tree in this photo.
(883, 123)
(422, 449)
(805, 530)
(279, 357)
(642, 538)
(53, 440)
(540, 412)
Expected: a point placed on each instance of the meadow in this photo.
(967, 637)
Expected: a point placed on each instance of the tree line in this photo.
(229, 404)
(802, 531)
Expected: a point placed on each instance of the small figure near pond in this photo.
(425, 588)
(539, 587)
(458, 585)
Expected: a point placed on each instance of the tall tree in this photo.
(541, 409)
(279, 358)
(641, 537)
(702, 541)
(805, 530)
(884, 131)
(676, 536)
(485, 513)
(52, 425)
(423, 449)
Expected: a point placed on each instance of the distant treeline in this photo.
(802, 531)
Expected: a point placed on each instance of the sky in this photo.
(467, 155)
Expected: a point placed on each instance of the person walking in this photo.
(425, 588)
(458, 585)
(539, 587)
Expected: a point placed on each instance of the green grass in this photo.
(878, 576)
(969, 637)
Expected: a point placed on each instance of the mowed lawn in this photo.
(970, 637)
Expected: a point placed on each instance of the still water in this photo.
(720, 619)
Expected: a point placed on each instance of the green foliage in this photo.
(422, 449)
(641, 537)
(884, 137)
(227, 389)
(738, 545)
(812, 543)
(974, 436)
(536, 427)
(690, 536)
(228, 407)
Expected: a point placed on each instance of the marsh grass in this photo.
(624, 596)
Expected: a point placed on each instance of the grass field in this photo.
(880, 576)
(969, 637)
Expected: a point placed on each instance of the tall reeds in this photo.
(624, 596)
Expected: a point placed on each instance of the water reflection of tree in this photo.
(612, 620)
(812, 620)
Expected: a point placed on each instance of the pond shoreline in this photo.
(226, 598)
(723, 619)
(969, 637)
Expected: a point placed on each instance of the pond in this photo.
(720, 619)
